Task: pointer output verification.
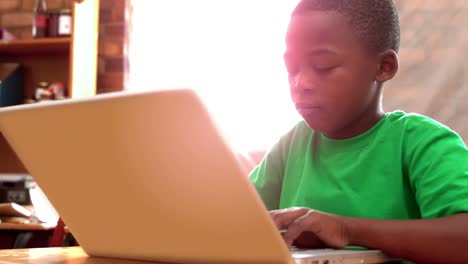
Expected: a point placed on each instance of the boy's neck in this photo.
(363, 123)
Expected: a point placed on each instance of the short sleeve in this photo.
(438, 169)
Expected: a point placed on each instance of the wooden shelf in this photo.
(41, 46)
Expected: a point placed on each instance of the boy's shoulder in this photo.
(417, 129)
(414, 122)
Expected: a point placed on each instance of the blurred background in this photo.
(433, 75)
(231, 52)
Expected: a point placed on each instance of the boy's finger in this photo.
(307, 222)
(283, 218)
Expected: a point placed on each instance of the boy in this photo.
(351, 174)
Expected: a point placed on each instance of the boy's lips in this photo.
(306, 109)
(307, 106)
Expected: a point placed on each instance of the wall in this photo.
(433, 75)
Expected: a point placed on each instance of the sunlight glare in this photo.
(230, 52)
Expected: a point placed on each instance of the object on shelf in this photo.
(43, 209)
(40, 19)
(53, 26)
(59, 23)
(45, 91)
(14, 210)
(58, 90)
(50, 23)
(15, 189)
(65, 23)
(42, 92)
(5, 35)
(11, 84)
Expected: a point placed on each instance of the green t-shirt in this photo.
(406, 167)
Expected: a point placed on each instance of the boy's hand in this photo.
(309, 228)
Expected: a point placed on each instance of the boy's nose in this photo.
(301, 83)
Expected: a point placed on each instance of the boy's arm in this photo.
(439, 240)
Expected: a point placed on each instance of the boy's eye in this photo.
(323, 69)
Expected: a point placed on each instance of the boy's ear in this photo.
(388, 66)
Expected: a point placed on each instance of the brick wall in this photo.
(112, 59)
(16, 15)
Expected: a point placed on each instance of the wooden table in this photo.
(68, 255)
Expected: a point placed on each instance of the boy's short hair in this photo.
(374, 21)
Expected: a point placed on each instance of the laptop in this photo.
(148, 176)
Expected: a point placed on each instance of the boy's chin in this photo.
(318, 125)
